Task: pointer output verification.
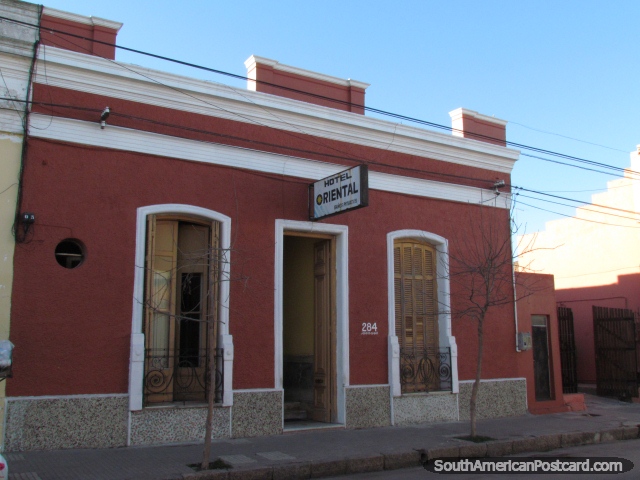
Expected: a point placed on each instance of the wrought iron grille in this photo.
(181, 376)
(425, 370)
(568, 355)
(616, 357)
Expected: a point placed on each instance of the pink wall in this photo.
(623, 294)
(595, 260)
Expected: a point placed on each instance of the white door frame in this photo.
(340, 232)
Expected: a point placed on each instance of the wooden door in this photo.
(181, 281)
(614, 332)
(159, 307)
(323, 379)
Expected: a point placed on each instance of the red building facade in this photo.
(189, 207)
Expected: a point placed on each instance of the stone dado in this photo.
(368, 406)
(66, 422)
(498, 398)
(51, 423)
(422, 408)
(159, 425)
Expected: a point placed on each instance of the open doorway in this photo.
(309, 329)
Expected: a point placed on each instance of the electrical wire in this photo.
(325, 155)
(580, 166)
(574, 200)
(346, 103)
(574, 217)
(600, 273)
(307, 137)
(583, 208)
(251, 141)
(511, 122)
(351, 159)
(22, 237)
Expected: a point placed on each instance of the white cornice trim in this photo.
(17, 38)
(85, 133)
(91, 74)
(459, 112)
(251, 62)
(15, 76)
(73, 17)
(10, 120)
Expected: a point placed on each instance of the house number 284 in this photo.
(369, 329)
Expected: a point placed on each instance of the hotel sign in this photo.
(340, 193)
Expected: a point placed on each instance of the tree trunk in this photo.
(476, 383)
(210, 394)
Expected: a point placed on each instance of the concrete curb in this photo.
(415, 458)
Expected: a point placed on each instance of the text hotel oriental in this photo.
(341, 192)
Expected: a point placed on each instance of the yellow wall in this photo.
(10, 150)
(298, 296)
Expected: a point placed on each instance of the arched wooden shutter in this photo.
(416, 303)
(160, 303)
(182, 283)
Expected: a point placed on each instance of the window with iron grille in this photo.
(416, 316)
(182, 257)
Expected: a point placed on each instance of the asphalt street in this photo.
(629, 450)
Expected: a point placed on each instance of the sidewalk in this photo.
(318, 453)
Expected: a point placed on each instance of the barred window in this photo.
(180, 300)
(416, 315)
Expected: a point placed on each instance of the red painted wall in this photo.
(328, 94)
(85, 44)
(537, 297)
(210, 129)
(72, 328)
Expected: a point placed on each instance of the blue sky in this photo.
(570, 67)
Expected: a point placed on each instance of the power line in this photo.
(584, 208)
(325, 155)
(617, 174)
(348, 158)
(265, 144)
(366, 108)
(567, 137)
(422, 171)
(574, 200)
(574, 217)
(590, 190)
(605, 271)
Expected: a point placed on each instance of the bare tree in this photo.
(482, 280)
(172, 316)
(217, 259)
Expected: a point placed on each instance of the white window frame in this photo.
(136, 358)
(446, 338)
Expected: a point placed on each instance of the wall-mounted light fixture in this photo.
(498, 184)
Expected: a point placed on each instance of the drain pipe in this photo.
(515, 301)
(513, 277)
